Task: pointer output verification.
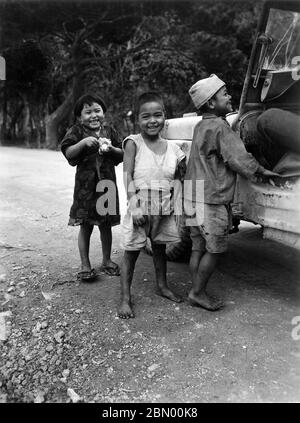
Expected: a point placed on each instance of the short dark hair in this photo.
(148, 97)
(88, 99)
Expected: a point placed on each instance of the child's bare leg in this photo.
(160, 264)
(84, 237)
(106, 241)
(127, 268)
(202, 267)
(108, 266)
(155, 222)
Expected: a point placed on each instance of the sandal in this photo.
(111, 270)
(87, 275)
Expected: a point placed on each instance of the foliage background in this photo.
(55, 51)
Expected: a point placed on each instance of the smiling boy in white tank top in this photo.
(150, 165)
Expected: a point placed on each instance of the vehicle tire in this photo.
(177, 251)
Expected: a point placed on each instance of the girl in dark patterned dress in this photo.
(94, 203)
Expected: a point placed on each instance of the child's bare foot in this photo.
(110, 268)
(85, 268)
(109, 263)
(125, 310)
(170, 295)
(205, 301)
(86, 274)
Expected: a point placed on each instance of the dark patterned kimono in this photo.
(91, 168)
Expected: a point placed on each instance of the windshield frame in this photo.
(292, 5)
(285, 40)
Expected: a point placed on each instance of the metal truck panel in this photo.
(276, 209)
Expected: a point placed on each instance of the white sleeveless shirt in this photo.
(153, 174)
(154, 171)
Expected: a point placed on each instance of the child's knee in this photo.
(86, 228)
(105, 227)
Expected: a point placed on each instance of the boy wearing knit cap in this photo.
(217, 155)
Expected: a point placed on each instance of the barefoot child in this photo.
(150, 163)
(83, 146)
(217, 155)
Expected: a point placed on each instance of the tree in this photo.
(124, 49)
(222, 37)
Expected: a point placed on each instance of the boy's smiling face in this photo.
(92, 116)
(221, 102)
(151, 118)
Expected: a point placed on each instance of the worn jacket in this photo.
(217, 155)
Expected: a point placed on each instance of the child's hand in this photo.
(138, 217)
(105, 145)
(267, 172)
(91, 143)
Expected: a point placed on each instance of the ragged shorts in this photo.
(135, 237)
(212, 234)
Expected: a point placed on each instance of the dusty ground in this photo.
(63, 334)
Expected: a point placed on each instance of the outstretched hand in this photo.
(267, 172)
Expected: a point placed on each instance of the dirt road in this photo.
(62, 334)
